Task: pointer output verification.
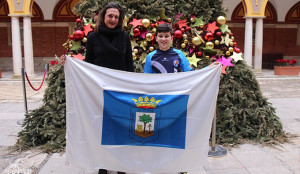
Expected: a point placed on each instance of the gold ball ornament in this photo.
(169, 20)
(185, 41)
(232, 38)
(70, 45)
(217, 42)
(201, 25)
(70, 42)
(151, 48)
(231, 44)
(65, 45)
(154, 30)
(209, 45)
(93, 25)
(133, 56)
(148, 37)
(183, 45)
(84, 39)
(184, 36)
(196, 41)
(135, 51)
(228, 53)
(145, 43)
(230, 49)
(221, 20)
(207, 57)
(146, 23)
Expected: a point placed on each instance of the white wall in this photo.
(281, 6)
(47, 7)
(230, 5)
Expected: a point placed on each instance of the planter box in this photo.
(286, 70)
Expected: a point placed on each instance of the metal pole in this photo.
(20, 122)
(213, 141)
(24, 89)
(215, 150)
(47, 67)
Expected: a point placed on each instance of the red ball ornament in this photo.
(182, 30)
(209, 36)
(78, 34)
(178, 34)
(237, 50)
(234, 44)
(188, 29)
(78, 20)
(136, 32)
(71, 37)
(199, 54)
(152, 25)
(219, 34)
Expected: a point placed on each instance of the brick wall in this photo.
(275, 40)
(281, 40)
(5, 49)
(47, 41)
(239, 34)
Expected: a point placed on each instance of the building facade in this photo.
(264, 30)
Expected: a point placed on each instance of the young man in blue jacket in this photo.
(166, 59)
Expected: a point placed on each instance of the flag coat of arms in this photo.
(135, 122)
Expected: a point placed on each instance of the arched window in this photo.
(293, 15)
(63, 11)
(4, 11)
(238, 14)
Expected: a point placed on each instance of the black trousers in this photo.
(103, 171)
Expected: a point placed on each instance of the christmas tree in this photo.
(200, 31)
(46, 126)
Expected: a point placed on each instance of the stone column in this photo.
(258, 45)
(28, 48)
(248, 41)
(16, 46)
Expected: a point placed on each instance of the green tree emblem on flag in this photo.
(145, 118)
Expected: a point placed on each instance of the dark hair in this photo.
(164, 27)
(101, 15)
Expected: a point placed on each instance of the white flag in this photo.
(134, 122)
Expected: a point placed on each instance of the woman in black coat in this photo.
(109, 46)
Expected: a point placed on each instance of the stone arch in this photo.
(23, 7)
(63, 11)
(255, 8)
(293, 15)
(238, 13)
(36, 12)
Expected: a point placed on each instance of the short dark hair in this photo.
(101, 15)
(164, 27)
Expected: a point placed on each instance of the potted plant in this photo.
(286, 67)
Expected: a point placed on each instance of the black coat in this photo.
(110, 49)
